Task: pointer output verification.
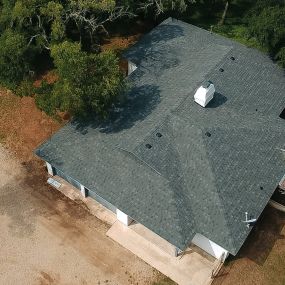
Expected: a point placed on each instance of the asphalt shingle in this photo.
(210, 165)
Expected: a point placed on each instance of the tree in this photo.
(64, 33)
(87, 82)
(268, 28)
(13, 58)
(224, 13)
(162, 6)
(280, 56)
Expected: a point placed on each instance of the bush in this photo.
(269, 27)
(25, 88)
(280, 57)
(44, 98)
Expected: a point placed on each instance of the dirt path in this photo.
(47, 239)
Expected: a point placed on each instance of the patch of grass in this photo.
(235, 26)
(238, 33)
(7, 102)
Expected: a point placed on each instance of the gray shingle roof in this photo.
(187, 182)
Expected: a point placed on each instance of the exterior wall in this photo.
(123, 218)
(49, 169)
(131, 67)
(100, 200)
(210, 247)
(67, 178)
(83, 191)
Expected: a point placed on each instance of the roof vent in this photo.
(232, 58)
(149, 146)
(205, 94)
(208, 134)
(159, 135)
(221, 70)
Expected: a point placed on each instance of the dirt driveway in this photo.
(47, 239)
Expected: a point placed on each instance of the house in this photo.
(186, 172)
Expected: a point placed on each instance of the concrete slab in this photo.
(190, 269)
(95, 208)
(153, 238)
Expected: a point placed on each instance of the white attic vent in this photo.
(131, 67)
(205, 94)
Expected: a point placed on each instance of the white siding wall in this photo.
(83, 191)
(131, 67)
(210, 247)
(123, 218)
(49, 169)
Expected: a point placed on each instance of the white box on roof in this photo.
(205, 94)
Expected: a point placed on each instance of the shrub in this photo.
(280, 57)
(269, 27)
(25, 88)
(44, 98)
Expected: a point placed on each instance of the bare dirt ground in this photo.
(22, 125)
(46, 238)
(261, 260)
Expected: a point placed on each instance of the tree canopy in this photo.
(67, 34)
(87, 82)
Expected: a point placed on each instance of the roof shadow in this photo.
(261, 240)
(217, 101)
(155, 50)
(140, 102)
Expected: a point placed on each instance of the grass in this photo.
(235, 26)
(239, 33)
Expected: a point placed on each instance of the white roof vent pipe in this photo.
(205, 94)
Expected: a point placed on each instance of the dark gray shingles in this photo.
(187, 182)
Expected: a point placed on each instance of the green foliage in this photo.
(266, 22)
(87, 82)
(13, 62)
(95, 5)
(269, 27)
(91, 82)
(44, 98)
(238, 33)
(6, 7)
(280, 56)
(25, 88)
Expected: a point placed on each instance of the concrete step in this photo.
(191, 269)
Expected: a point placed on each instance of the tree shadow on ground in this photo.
(154, 51)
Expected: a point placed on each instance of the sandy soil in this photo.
(22, 125)
(47, 239)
